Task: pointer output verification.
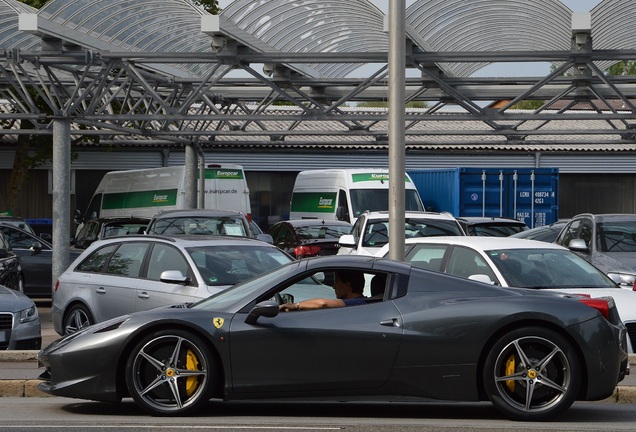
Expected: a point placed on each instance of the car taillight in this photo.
(57, 285)
(601, 305)
(306, 251)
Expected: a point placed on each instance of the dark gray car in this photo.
(204, 222)
(36, 256)
(430, 336)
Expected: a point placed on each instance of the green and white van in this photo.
(144, 192)
(345, 194)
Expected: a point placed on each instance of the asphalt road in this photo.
(57, 414)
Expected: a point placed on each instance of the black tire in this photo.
(532, 374)
(76, 318)
(170, 373)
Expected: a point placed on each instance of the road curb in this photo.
(18, 356)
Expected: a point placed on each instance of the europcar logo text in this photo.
(325, 202)
(159, 198)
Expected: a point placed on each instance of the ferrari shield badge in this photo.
(218, 322)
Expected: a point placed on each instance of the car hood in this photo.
(625, 299)
(13, 301)
(616, 261)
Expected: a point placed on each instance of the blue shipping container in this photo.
(527, 194)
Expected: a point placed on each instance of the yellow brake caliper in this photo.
(192, 382)
(510, 369)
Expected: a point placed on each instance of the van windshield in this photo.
(378, 200)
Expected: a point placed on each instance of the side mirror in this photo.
(36, 246)
(578, 245)
(174, 276)
(342, 214)
(320, 277)
(4, 253)
(47, 237)
(347, 240)
(267, 309)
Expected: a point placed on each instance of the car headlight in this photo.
(28, 315)
(626, 279)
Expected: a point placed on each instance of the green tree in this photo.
(622, 68)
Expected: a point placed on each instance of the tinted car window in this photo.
(165, 257)
(18, 239)
(226, 266)
(616, 236)
(467, 262)
(96, 260)
(428, 257)
(127, 260)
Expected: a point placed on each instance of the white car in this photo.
(519, 263)
(371, 230)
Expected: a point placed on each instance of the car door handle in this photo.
(143, 295)
(393, 322)
(101, 290)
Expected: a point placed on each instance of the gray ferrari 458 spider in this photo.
(417, 334)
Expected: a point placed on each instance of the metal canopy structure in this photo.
(164, 71)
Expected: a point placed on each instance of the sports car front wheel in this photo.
(532, 374)
(170, 373)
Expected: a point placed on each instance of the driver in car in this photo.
(349, 286)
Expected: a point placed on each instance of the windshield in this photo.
(548, 268)
(496, 230)
(377, 232)
(312, 232)
(378, 200)
(206, 225)
(617, 236)
(235, 297)
(228, 265)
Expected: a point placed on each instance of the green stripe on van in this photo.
(124, 200)
(363, 177)
(315, 202)
(223, 173)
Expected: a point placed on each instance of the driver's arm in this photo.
(318, 303)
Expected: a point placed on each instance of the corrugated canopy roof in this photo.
(323, 26)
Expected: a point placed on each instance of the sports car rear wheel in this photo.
(532, 374)
(170, 373)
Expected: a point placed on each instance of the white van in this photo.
(345, 194)
(144, 192)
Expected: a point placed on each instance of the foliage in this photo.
(622, 68)
(528, 105)
(211, 6)
(385, 104)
